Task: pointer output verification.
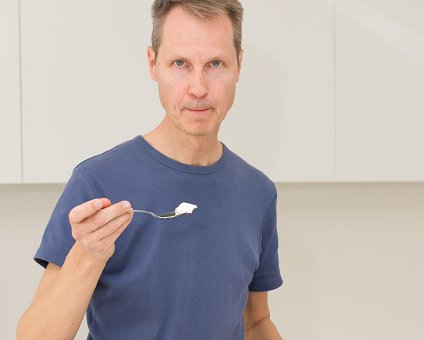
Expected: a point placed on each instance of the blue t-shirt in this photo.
(186, 278)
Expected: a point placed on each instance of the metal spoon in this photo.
(182, 209)
(166, 216)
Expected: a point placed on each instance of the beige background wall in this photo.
(352, 258)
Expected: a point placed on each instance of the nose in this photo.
(198, 85)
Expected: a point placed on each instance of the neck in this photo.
(183, 147)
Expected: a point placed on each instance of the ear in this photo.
(151, 56)
(240, 58)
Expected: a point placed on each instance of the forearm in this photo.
(58, 312)
(263, 330)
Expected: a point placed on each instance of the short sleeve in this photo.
(57, 239)
(267, 276)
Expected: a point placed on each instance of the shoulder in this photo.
(109, 160)
(118, 153)
(252, 176)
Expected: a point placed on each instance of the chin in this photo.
(198, 133)
(201, 130)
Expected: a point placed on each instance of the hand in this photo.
(96, 225)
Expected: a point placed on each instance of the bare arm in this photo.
(59, 305)
(258, 325)
(62, 297)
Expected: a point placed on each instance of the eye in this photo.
(216, 63)
(179, 63)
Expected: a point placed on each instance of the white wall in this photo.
(351, 256)
(332, 89)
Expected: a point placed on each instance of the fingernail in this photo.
(98, 203)
(126, 204)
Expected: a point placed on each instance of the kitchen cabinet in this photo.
(380, 87)
(10, 126)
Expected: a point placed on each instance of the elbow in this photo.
(20, 328)
(29, 329)
(23, 329)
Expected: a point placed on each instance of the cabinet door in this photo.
(10, 123)
(283, 117)
(86, 85)
(380, 87)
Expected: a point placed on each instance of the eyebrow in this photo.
(180, 57)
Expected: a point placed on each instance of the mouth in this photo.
(198, 110)
(199, 113)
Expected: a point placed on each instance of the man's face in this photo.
(196, 70)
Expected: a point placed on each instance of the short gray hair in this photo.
(202, 9)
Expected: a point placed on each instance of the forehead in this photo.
(185, 33)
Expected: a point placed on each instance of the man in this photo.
(200, 276)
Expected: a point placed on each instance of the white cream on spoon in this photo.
(185, 208)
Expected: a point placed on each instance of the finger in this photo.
(98, 243)
(104, 216)
(115, 235)
(98, 220)
(112, 226)
(87, 209)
